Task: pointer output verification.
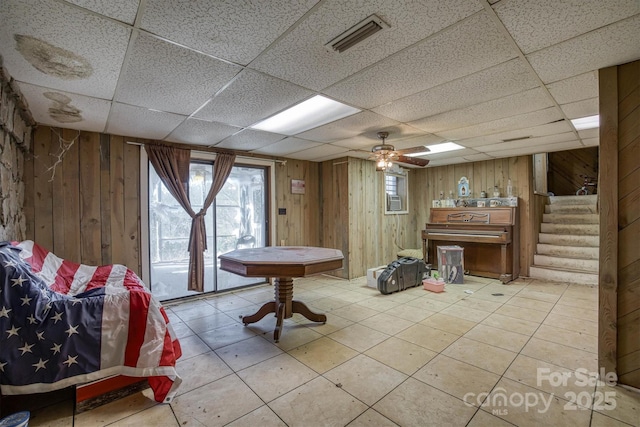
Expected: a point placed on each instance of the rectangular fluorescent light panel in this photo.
(583, 123)
(438, 148)
(309, 114)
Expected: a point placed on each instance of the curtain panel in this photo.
(172, 166)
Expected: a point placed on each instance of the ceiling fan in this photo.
(385, 154)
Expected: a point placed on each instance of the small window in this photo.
(396, 191)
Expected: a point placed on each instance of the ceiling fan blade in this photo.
(416, 161)
(413, 150)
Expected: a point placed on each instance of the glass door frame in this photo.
(205, 156)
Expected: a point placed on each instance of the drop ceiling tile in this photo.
(128, 120)
(591, 142)
(236, 31)
(530, 142)
(612, 45)
(337, 157)
(300, 56)
(478, 157)
(249, 139)
(359, 142)
(451, 154)
(575, 88)
(167, 77)
(426, 139)
(63, 109)
(495, 82)
(121, 10)
(201, 132)
(251, 97)
(74, 50)
(536, 24)
(584, 108)
(445, 162)
(494, 110)
(589, 133)
(286, 146)
(356, 124)
(319, 153)
(520, 133)
(465, 48)
(561, 146)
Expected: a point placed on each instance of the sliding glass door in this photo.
(236, 219)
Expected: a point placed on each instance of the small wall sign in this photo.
(297, 186)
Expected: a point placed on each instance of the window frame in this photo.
(401, 188)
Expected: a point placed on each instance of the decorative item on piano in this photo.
(463, 187)
(480, 203)
(496, 191)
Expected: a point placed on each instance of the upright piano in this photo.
(489, 236)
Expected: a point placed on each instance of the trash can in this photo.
(451, 262)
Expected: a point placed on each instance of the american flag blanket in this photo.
(63, 323)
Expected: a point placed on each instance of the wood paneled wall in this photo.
(426, 184)
(619, 311)
(354, 219)
(301, 223)
(90, 211)
(86, 208)
(567, 167)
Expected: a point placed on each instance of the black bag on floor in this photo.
(404, 273)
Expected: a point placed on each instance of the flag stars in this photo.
(56, 348)
(56, 317)
(13, 331)
(18, 282)
(5, 312)
(40, 365)
(32, 320)
(26, 348)
(2, 365)
(25, 300)
(71, 360)
(40, 335)
(10, 263)
(72, 330)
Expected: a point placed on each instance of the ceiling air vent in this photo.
(520, 138)
(356, 34)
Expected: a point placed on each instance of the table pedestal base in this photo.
(283, 306)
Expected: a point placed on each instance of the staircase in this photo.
(567, 249)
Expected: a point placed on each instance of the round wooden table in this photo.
(283, 263)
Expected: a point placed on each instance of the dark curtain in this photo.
(172, 166)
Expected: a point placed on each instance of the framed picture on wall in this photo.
(297, 186)
(463, 187)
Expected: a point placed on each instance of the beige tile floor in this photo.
(479, 354)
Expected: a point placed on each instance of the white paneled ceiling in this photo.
(501, 78)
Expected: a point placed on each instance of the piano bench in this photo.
(414, 253)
